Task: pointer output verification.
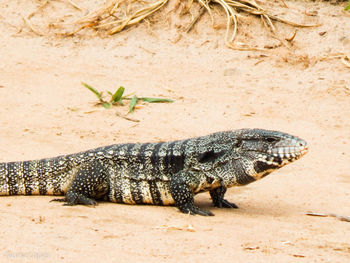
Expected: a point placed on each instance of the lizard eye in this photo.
(270, 139)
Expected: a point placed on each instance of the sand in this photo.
(303, 90)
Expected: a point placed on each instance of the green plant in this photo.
(117, 98)
(348, 6)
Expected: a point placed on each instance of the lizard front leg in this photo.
(182, 187)
(217, 195)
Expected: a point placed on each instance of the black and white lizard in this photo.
(164, 173)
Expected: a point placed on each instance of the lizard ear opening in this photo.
(209, 156)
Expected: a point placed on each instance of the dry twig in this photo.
(75, 5)
(195, 20)
(30, 25)
(340, 217)
(344, 58)
(126, 117)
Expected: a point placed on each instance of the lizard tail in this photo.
(38, 177)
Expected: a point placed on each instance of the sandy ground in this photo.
(45, 111)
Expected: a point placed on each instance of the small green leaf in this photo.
(348, 7)
(118, 95)
(132, 104)
(98, 94)
(156, 100)
(106, 105)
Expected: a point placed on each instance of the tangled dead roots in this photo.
(116, 15)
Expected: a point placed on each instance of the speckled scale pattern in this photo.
(163, 173)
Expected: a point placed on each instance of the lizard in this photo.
(158, 173)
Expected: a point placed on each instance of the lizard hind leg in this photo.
(89, 183)
(217, 195)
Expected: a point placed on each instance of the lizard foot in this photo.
(194, 210)
(217, 195)
(76, 199)
(223, 203)
(58, 200)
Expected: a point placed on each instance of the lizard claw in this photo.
(58, 200)
(194, 210)
(76, 200)
(223, 203)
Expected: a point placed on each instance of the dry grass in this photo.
(116, 15)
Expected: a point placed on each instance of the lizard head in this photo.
(268, 150)
(243, 156)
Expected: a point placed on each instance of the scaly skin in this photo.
(167, 173)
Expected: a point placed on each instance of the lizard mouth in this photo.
(279, 158)
(289, 150)
(284, 155)
(286, 151)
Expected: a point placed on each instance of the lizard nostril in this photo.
(302, 144)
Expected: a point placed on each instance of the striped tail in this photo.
(40, 177)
